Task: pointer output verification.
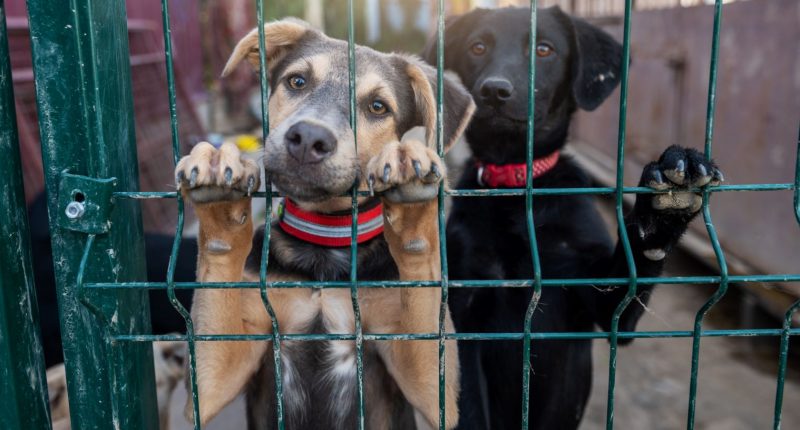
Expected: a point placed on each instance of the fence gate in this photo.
(83, 86)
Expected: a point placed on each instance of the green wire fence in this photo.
(69, 39)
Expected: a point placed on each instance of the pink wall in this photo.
(184, 16)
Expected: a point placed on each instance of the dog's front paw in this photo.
(662, 218)
(677, 171)
(209, 174)
(405, 172)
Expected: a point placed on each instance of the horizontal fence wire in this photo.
(537, 283)
(501, 283)
(507, 192)
(315, 337)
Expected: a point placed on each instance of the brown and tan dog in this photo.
(310, 156)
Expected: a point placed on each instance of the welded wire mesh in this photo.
(537, 283)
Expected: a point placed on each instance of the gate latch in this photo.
(85, 203)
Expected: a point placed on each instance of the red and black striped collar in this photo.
(331, 229)
(513, 175)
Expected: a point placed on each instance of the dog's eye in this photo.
(297, 82)
(478, 48)
(544, 50)
(378, 107)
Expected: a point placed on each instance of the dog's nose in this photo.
(496, 91)
(310, 143)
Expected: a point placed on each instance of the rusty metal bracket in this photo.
(85, 203)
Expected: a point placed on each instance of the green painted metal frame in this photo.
(108, 347)
(24, 385)
(85, 104)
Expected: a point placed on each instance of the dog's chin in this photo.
(500, 120)
(309, 190)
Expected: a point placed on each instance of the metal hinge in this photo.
(85, 203)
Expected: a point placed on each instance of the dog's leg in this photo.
(411, 173)
(654, 227)
(219, 183)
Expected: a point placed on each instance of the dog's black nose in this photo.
(310, 143)
(496, 91)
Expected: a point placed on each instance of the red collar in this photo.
(330, 229)
(513, 175)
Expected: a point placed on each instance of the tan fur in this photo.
(411, 230)
(426, 101)
(278, 36)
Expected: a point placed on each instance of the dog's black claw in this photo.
(228, 176)
(371, 184)
(193, 177)
(718, 176)
(701, 170)
(680, 167)
(386, 170)
(417, 168)
(251, 182)
(435, 171)
(658, 178)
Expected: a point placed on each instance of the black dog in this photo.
(577, 66)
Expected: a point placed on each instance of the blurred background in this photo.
(756, 132)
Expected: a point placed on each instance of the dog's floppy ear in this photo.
(279, 37)
(456, 32)
(596, 64)
(458, 103)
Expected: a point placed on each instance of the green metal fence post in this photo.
(23, 388)
(85, 105)
(783, 354)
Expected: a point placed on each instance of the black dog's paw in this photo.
(662, 218)
(677, 171)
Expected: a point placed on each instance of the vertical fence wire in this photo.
(351, 66)
(445, 276)
(173, 258)
(783, 356)
(712, 232)
(262, 273)
(537, 281)
(623, 232)
(537, 270)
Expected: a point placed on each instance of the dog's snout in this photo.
(310, 143)
(496, 91)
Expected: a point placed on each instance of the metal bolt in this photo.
(75, 210)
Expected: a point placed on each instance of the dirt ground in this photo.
(737, 379)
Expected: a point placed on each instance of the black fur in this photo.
(488, 237)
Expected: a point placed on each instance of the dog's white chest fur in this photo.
(335, 374)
